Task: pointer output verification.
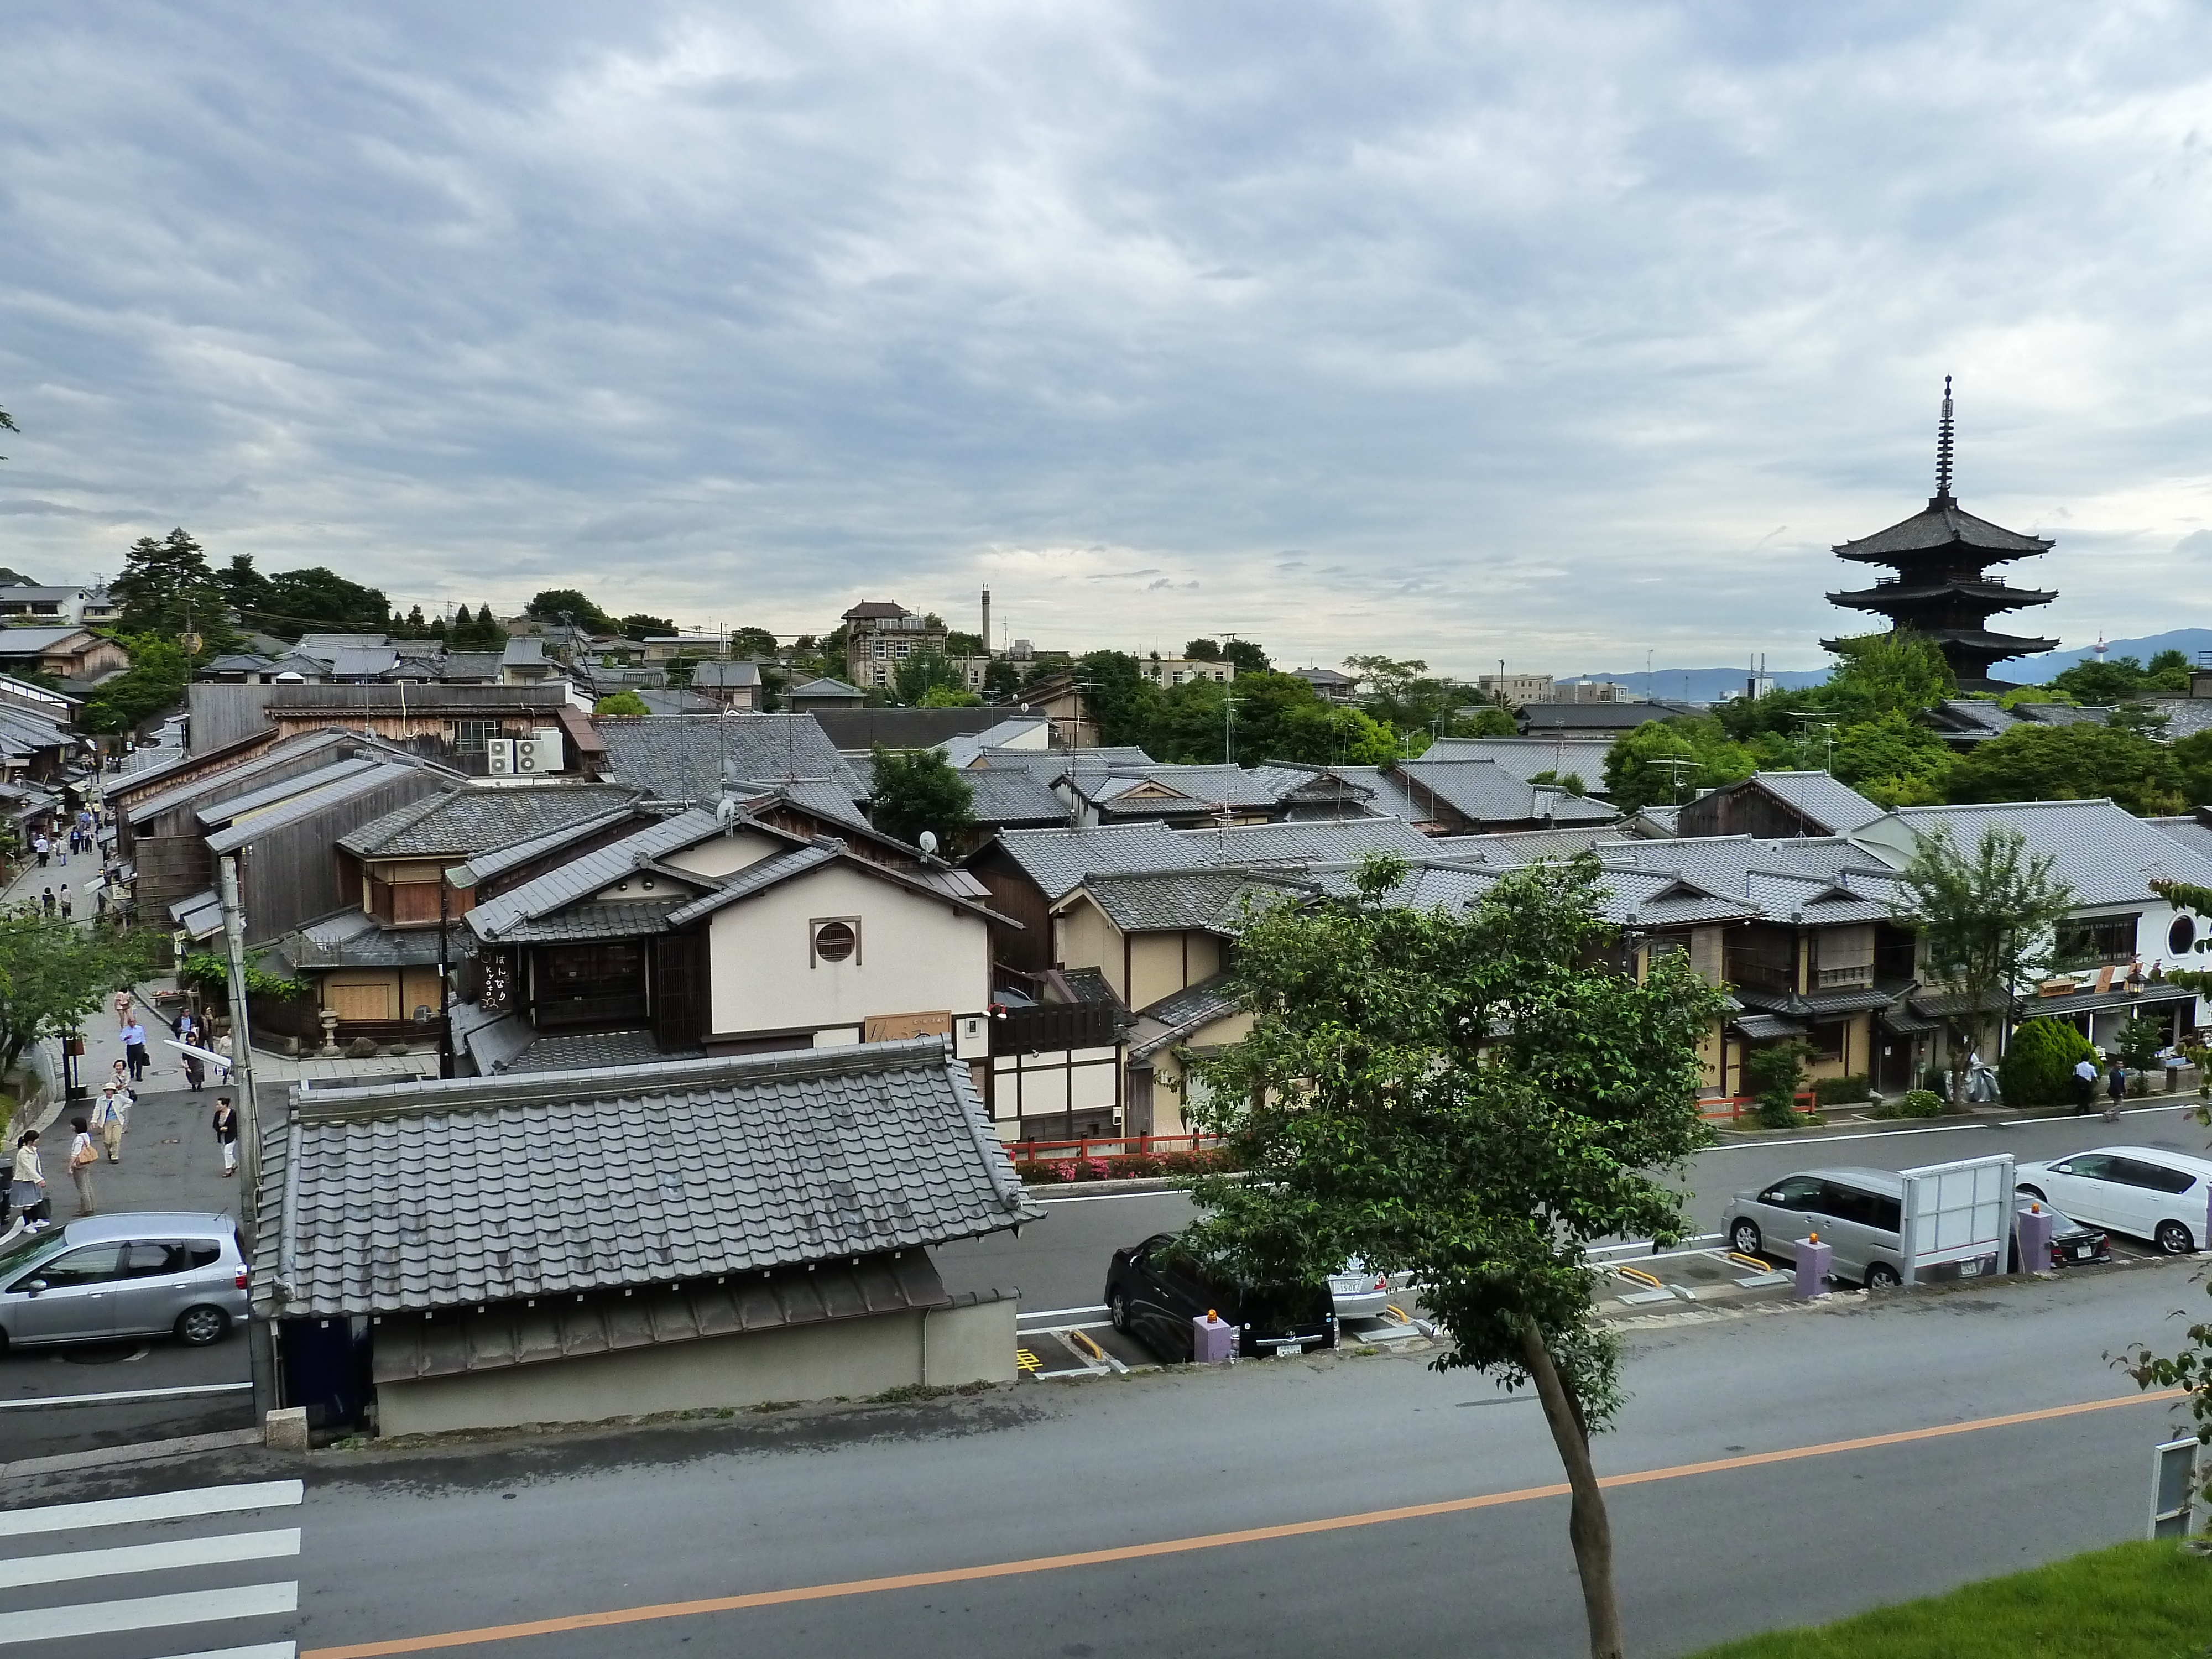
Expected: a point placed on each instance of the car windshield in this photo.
(26, 1251)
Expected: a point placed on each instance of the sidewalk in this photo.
(171, 1160)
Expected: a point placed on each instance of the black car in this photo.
(2072, 1242)
(1155, 1289)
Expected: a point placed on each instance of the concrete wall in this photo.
(917, 954)
(847, 1358)
(1142, 968)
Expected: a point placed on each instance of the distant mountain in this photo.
(1704, 684)
(10, 578)
(2187, 640)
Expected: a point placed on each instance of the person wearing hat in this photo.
(112, 1116)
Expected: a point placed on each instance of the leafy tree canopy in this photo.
(167, 588)
(153, 684)
(639, 626)
(1896, 672)
(923, 672)
(480, 632)
(554, 603)
(1893, 760)
(2121, 678)
(1473, 1098)
(1664, 762)
(626, 705)
(2072, 763)
(917, 790)
(947, 696)
(54, 974)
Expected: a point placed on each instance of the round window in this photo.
(2181, 936)
(833, 941)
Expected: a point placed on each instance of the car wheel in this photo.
(2035, 1193)
(198, 1327)
(2175, 1239)
(1881, 1276)
(1117, 1309)
(1745, 1236)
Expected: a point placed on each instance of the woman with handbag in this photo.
(84, 1152)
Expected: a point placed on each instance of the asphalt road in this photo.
(397, 1545)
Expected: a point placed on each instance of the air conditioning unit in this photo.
(526, 755)
(499, 757)
(546, 741)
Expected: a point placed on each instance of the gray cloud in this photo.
(748, 313)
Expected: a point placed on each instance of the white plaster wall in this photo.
(719, 855)
(917, 954)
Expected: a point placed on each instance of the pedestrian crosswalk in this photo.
(169, 1568)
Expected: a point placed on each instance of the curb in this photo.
(144, 1451)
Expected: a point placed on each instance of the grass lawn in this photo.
(2141, 1600)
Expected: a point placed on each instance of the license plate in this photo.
(1970, 1269)
(2081, 1252)
(1289, 1350)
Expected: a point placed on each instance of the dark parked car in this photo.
(2071, 1242)
(1155, 1289)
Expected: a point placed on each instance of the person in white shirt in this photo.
(2085, 1086)
(27, 1185)
(112, 1116)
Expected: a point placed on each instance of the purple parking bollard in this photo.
(1814, 1259)
(2034, 1227)
(1212, 1340)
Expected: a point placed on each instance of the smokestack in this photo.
(986, 622)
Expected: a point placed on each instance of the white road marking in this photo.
(154, 1506)
(258, 1651)
(1053, 1313)
(148, 1557)
(1878, 1135)
(148, 1613)
(2132, 1111)
(127, 1394)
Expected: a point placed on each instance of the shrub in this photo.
(1920, 1102)
(1839, 1090)
(1779, 1072)
(1888, 1109)
(2038, 1065)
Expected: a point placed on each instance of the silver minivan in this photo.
(1856, 1212)
(151, 1274)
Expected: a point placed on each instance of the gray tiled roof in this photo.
(2192, 833)
(474, 818)
(352, 938)
(1058, 860)
(235, 780)
(465, 665)
(410, 1196)
(1388, 794)
(1974, 716)
(593, 919)
(582, 876)
(1293, 844)
(1935, 526)
(1482, 791)
(726, 676)
(1163, 1023)
(1836, 807)
(1205, 787)
(2107, 854)
(578, 1051)
(1204, 900)
(485, 867)
(1508, 847)
(757, 879)
(1010, 796)
(1524, 757)
(685, 758)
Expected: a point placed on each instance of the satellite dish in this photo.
(928, 843)
(725, 813)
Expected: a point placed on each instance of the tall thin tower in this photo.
(986, 622)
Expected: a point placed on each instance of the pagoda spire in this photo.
(1943, 447)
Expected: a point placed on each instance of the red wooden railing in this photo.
(1047, 1151)
(1733, 1107)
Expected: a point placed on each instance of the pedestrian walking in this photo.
(26, 1188)
(225, 1133)
(2085, 1085)
(67, 901)
(2116, 1090)
(42, 847)
(112, 1116)
(195, 1073)
(223, 1056)
(122, 1009)
(84, 1154)
(46, 901)
(188, 1029)
(134, 1050)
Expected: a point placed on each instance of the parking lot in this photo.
(1058, 1342)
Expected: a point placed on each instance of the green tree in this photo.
(1245, 656)
(1001, 680)
(167, 588)
(480, 632)
(153, 684)
(248, 590)
(623, 705)
(1987, 921)
(1471, 1096)
(1664, 762)
(2120, 678)
(2071, 762)
(1123, 706)
(315, 600)
(8, 424)
(1403, 694)
(553, 604)
(53, 974)
(923, 672)
(1202, 650)
(639, 626)
(947, 696)
(1898, 672)
(1778, 1069)
(757, 642)
(1891, 757)
(917, 789)
(2037, 1068)
(1488, 720)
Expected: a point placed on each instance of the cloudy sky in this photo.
(1555, 333)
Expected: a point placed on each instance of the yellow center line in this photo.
(639, 1615)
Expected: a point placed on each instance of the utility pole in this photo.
(260, 1335)
(445, 982)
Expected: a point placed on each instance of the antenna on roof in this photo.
(1943, 446)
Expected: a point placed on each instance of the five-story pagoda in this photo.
(1939, 589)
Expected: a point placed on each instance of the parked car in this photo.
(1856, 1212)
(2071, 1243)
(1155, 1289)
(2144, 1192)
(1359, 1292)
(154, 1274)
